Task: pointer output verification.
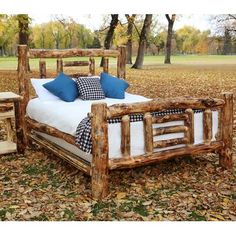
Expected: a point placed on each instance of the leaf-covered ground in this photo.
(39, 186)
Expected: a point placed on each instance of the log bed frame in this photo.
(100, 166)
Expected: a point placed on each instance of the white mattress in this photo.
(66, 116)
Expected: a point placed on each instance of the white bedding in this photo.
(66, 116)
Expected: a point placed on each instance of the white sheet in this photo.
(66, 116)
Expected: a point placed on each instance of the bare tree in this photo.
(143, 41)
(171, 21)
(108, 39)
(130, 20)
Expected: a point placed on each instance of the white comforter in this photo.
(66, 116)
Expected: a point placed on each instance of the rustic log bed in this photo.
(100, 165)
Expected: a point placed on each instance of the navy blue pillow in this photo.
(113, 87)
(63, 87)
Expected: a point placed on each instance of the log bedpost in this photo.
(42, 68)
(20, 108)
(226, 159)
(121, 62)
(59, 65)
(100, 150)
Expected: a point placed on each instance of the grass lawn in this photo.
(10, 63)
(39, 186)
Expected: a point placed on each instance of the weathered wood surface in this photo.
(42, 69)
(62, 153)
(169, 130)
(219, 130)
(56, 53)
(169, 142)
(20, 109)
(75, 63)
(59, 65)
(9, 129)
(125, 136)
(8, 97)
(121, 62)
(7, 147)
(189, 122)
(168, 118)
(226, 156)
(100, 150)
(105, 64)
(92, 66)
(162, 105)
(207, 126)
(156, 157)
(35, 125)
(148, 132)
(76, 75)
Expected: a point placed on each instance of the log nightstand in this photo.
(9, 109)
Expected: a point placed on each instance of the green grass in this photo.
(10, 63)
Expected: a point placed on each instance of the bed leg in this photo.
(100, 151)
(226, 155)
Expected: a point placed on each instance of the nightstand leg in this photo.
(20, 128)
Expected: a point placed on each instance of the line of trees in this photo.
(142, 34)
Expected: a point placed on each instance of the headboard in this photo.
(24, 53)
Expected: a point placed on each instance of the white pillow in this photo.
(43, 93)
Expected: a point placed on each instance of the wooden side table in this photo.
(8, 113)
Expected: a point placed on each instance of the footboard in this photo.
(222, 142)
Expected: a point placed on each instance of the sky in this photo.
(94, 21)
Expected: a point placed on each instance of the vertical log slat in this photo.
(59, 65)
(20, 107)
(42, 68)
(9, 130)
(106, 64)
(125, 136)
(92, 66)
(207, 126)
(219, 130)
(148, 132)
(100, 150)
(226, 156)
(189, 122)
(121, 62)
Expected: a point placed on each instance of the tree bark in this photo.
(169, 37)
(143, 42)
(129, 35)
(110, 32)
(23, 25)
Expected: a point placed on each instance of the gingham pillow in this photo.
(90, 88)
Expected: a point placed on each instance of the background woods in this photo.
(142, 35)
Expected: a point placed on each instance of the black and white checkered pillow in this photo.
(90, 88)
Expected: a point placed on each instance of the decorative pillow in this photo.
(90, 88)
(113, 87)
(63, 87)
(43, 94)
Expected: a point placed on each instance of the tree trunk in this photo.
(129, 35)
(110, 32)
(169, 37)
(23, 25)
(143, 42)
(227, 42)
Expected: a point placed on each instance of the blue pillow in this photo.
(113, 87)
(63, 87)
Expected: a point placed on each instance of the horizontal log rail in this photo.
(62, 153)
(75, 63)
(37, 126)
(52, 53)
(124, 163)
(169, 118)
(169, 130)
(169, 142)
(163, 105)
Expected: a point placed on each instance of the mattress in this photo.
(66, 116)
